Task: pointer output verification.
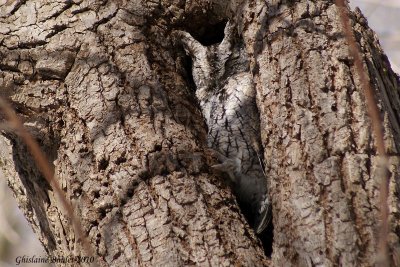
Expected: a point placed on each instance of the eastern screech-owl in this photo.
(225, 91)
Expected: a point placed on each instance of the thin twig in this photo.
(43, 165)
(377, 129)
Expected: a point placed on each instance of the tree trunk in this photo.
(109, 97)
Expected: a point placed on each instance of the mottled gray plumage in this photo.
(225, 90)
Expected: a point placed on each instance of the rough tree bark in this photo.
(104, 90)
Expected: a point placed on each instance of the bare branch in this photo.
(16, 124)
(377, 129)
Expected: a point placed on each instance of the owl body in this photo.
(226, 94)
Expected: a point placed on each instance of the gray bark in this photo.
(317, 135)
(106, 93)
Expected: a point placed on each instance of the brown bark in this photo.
(104, 90)
(97, 86)
(317, 135)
